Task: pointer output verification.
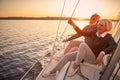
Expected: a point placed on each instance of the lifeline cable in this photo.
(57, 31)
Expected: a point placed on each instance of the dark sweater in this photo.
(98, 44)
(87, 28)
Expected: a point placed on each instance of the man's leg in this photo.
(68, 57)
(71, 45)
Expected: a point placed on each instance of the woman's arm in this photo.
(112, 44)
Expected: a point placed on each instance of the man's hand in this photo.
(65, 40)
(71, 22)
(99, 59)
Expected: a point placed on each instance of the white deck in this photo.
(49, 67)
(91, 72)
(88, 70)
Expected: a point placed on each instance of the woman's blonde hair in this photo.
(107, 23)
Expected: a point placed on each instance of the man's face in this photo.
(94, 19)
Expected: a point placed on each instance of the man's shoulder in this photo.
(90, 27)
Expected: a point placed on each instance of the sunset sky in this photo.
(53, 8)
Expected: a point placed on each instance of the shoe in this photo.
(73, 73)
(48, 74)
(75, 66)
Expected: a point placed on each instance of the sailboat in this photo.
(87, 71)
(109, 71)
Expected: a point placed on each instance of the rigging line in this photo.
(81, 75)
(70, 18)
(67, 71)
(117, 23)
(67, 24)
(60, 20)
(58, 28)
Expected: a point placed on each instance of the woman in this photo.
(103, 43)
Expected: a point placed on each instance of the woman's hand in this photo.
(99, 59)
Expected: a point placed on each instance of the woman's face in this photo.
(101, 28)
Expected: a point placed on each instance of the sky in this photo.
(53, 8)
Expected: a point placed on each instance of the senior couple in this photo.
(98, 42)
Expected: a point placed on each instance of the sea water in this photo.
(23, 42)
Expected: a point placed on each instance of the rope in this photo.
(116, 28)
(28, 71)
(67, 71)
(67, 23)
(70, 17)
(80, 74)
(53, 52)
(53, 49)
(60, 20)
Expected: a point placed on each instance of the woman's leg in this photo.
(84, 52)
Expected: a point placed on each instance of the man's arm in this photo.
(74, 36)
(78, 30)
